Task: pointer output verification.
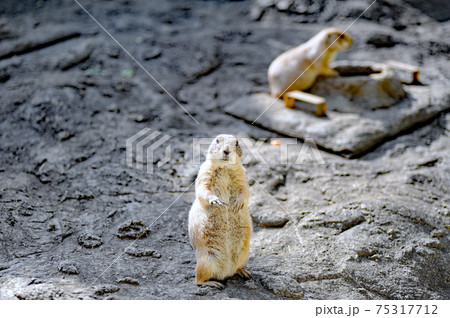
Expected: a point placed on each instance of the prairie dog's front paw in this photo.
(215, 201)
(238, 202)
(238, 199)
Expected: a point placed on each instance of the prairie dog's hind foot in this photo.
(212, 283)
(244, 273)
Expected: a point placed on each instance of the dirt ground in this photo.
(374, 227)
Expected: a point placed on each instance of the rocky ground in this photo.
(375, 227)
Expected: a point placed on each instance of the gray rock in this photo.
(41, 293)
(88, 240)
(152, 53)
(266, 215)
(434, 8)
(106, 289)
(76, 55)
(204, 59)
(284, 286)
(40, 37)
(133, 229)
(4, 76)
(356, 93)
(382, 40)
(68, 267)
(375, 227)
(346, 133)
(141, 252)
(128, 280)
(64, 135)
(26, 288)
(250, 284)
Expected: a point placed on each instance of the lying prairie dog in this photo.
(298, 68)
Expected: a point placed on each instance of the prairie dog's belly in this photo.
(229, 227)
(303, 81)
(224, 188)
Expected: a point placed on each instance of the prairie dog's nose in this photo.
(226, 151)
(349, 40)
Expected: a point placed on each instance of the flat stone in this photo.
(269, 217)
(362, 86)
(345, 133)
(75, 55)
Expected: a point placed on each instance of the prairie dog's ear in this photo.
(332, 37)
(238, 149)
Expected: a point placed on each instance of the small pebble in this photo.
(89, 240)
(68, 267)
(132, 230)
(106, 289)
(128, 280)
(140, 118)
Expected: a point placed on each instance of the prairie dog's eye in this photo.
(237, 143)
(217, 140)
(341, 36)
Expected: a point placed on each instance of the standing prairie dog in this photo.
(219, 223)
(298, 68)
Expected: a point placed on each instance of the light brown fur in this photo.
(219, 222)
(298, 68)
